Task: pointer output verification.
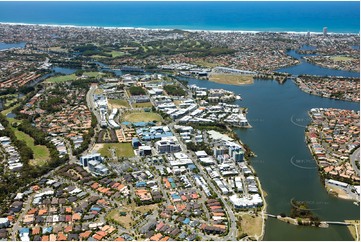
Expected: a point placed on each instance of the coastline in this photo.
(170, 29)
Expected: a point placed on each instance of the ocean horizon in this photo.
(295, 17)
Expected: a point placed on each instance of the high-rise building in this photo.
(238, 156)
(218, 150)
(324, 31)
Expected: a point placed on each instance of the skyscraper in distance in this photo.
(324, 31)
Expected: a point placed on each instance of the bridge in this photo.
(270, 215)
(336, 223)
(324, 222)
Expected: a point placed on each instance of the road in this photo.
(90, 102)
(16, 226)
(355, 156)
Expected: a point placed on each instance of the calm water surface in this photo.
(6, 46)
(307, 68)
(278, 143)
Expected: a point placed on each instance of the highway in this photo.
(90, 102)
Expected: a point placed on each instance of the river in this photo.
(278, 114)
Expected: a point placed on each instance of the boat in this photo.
(238, 97)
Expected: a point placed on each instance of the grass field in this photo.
(58, 49)
(65, 78)
(121, 150)
(71, 77)
(341, 58)
(98, 56)
(9, 99)
(231, 79)
(129, 48)
(41, 152)
(142, 117)
(143, 105)
(9, 110)
(117, 53)
(205, 63)
(251, 225)
(118, 103)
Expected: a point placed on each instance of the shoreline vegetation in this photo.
(167, 29)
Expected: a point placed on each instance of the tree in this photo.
(79, 72)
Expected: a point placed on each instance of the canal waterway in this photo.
(278, 115)
(6, 46)
(307, 68)
(64, 70)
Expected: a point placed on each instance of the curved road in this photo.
(355, 156)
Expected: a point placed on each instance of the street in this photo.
(355, 156)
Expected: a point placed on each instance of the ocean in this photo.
(338, 17)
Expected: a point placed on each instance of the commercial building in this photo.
(167, 145)
(85, 159)
(144, 150)
(98, 168)
(250, 201)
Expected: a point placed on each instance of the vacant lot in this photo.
(129, 221)
(142, 117)
(231, 79)
(125, 221)
(250, 224)
(121, 150)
